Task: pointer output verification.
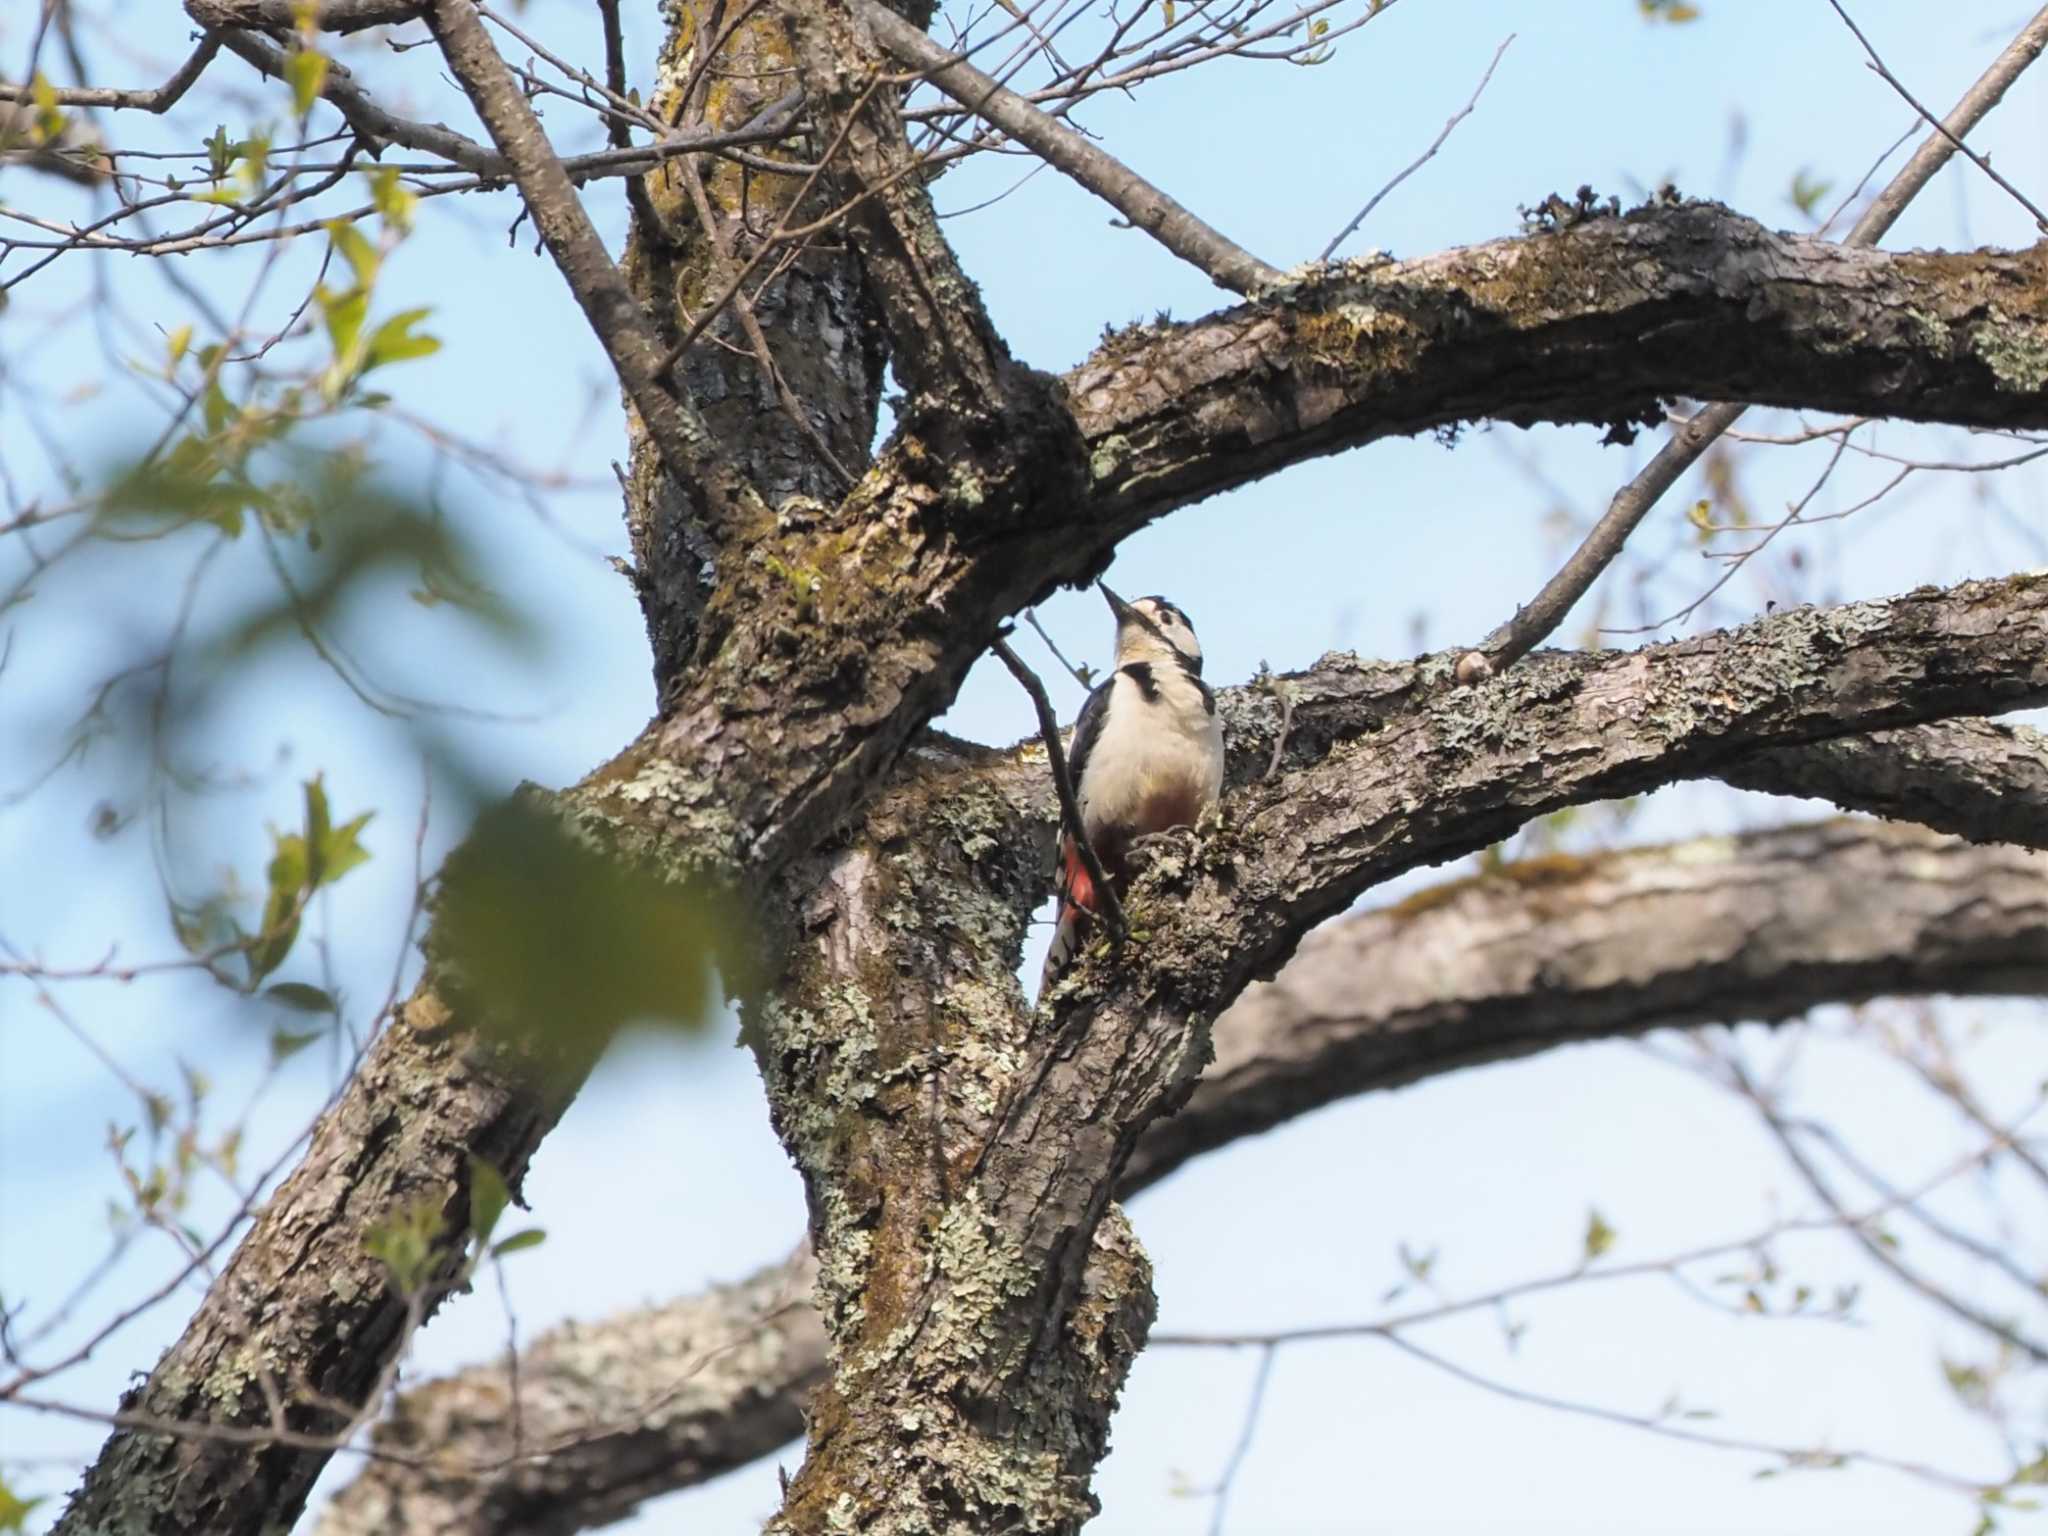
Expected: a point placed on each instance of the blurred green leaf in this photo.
(286, 1043)
(1599, 1236)
(343, 313)
(393, 200)
(14, 1509)
(488, 1197)
(354, 247)
(1807, 191)
(532, 1237)
(394, 341)
(300, 998)
(305, 70)
(405, 1241)
(561, 945)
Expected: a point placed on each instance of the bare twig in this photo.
(1112, 911)
(1534, 623)
(1243, 1447)
(159, 100)
(1878, 1253)
(688, 449)
(1954, 138)
(1422, 159)
(1147, 208)
(1031, 618)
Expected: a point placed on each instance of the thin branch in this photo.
(1243, 1447)
(688, 449)
(1878, 1253)
(1817, 1457)
(1147, 208)
(1424, 158)
(1982, 162)
(1534, 623)
(1063, 784)
(159, 100)
(1031, 618)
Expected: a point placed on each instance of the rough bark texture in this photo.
(612, 1413)
(1756, 927)
(1595, 322)
(959, 1157)
(815, 317)
(1976, 778)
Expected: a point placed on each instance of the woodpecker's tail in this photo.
(1077, 915)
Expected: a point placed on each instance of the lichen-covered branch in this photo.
(960, 1156)
(1594, 322)
(1977, 778)
(610, 1414)
(1760, 926)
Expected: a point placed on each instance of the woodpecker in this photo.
(1147, 756)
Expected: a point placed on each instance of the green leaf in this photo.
(220, 152)
(341, 850)
(488, 1197)
(394, 342)
(319, 827)
(300, 998)
(176, 343)
(14, 1509)
(286, 1043)
(532, 1237)
(405, 1242)
(561, 946)
(354, 247)
(393, 200)
(1599, 1236)
(343, 313)
(1807, 191)
(305, 70)
(226, 197)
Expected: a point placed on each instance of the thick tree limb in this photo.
(1147, 208)
(1761, 926)
(612, 1414)
(1592, 323)
(1976, 778)
(1535, 622)
(830, 634)
(283, 15)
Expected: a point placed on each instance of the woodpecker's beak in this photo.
(1123, 610)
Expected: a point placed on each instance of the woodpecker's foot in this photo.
(1170, 852)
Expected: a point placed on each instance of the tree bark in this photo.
(1976, 778)
(802, 650)
(1757, 927)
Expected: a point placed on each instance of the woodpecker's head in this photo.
(1152, 629)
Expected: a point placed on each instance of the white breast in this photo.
(1158, 762)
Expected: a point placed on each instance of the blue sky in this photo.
(665, 1174)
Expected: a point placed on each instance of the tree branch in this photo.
(283, 15)
(1976, 778)
(946, 346)
(1592, 323)
(692, 454)
(1148, 208)
(1761, 926)
(1535, 623)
